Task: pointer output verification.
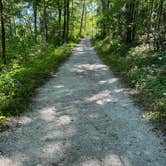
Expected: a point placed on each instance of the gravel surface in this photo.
(82, 117)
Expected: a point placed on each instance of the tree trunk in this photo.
(160, 10)
(3, 35)
(151, 5)
(130, 20)
(35, 19)
(10, 28)
(105, 9)
(82, 18)
(65, 21)
(72, 16)
(59, 17)
(45, 21)
(85, 24)
(68, 20)
(14, 26)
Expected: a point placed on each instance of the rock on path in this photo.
(82, 117)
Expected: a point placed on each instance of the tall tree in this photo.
(60, 17)
(3, 34)
(82, 17)
(68, 20)
(105, 10)
(65, 20)
(130, 20)
(45, 19)
(35, 19)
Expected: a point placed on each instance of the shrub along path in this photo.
(82, 116)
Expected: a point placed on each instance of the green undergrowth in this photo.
(142, 69)
(20, 79)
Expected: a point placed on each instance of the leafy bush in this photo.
(142, 69)
(19, 80)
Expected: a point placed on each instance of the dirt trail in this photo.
(82, 117)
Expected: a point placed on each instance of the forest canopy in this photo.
(27, 22)
(30, 22)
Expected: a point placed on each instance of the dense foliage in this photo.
(139, 21)
(132, 41)
(34, 34)
(19, 83)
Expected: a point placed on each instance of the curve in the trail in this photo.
(82, 117)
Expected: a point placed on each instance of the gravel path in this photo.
(82, 117)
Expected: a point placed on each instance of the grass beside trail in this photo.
(142, 69)
(20, 79)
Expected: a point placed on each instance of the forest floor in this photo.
(82, 116)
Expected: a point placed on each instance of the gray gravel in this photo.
(82, 117)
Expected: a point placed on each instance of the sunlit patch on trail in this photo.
(25, 120)
(63, 120)
(109, 81)
(59, 86)
(4, 161)
(92, 67)
(101, 98)
(126, 90)
(54, 149)
(79, 48)
(48, 114)
(93, 116)
(91, 162)
(115, 160)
